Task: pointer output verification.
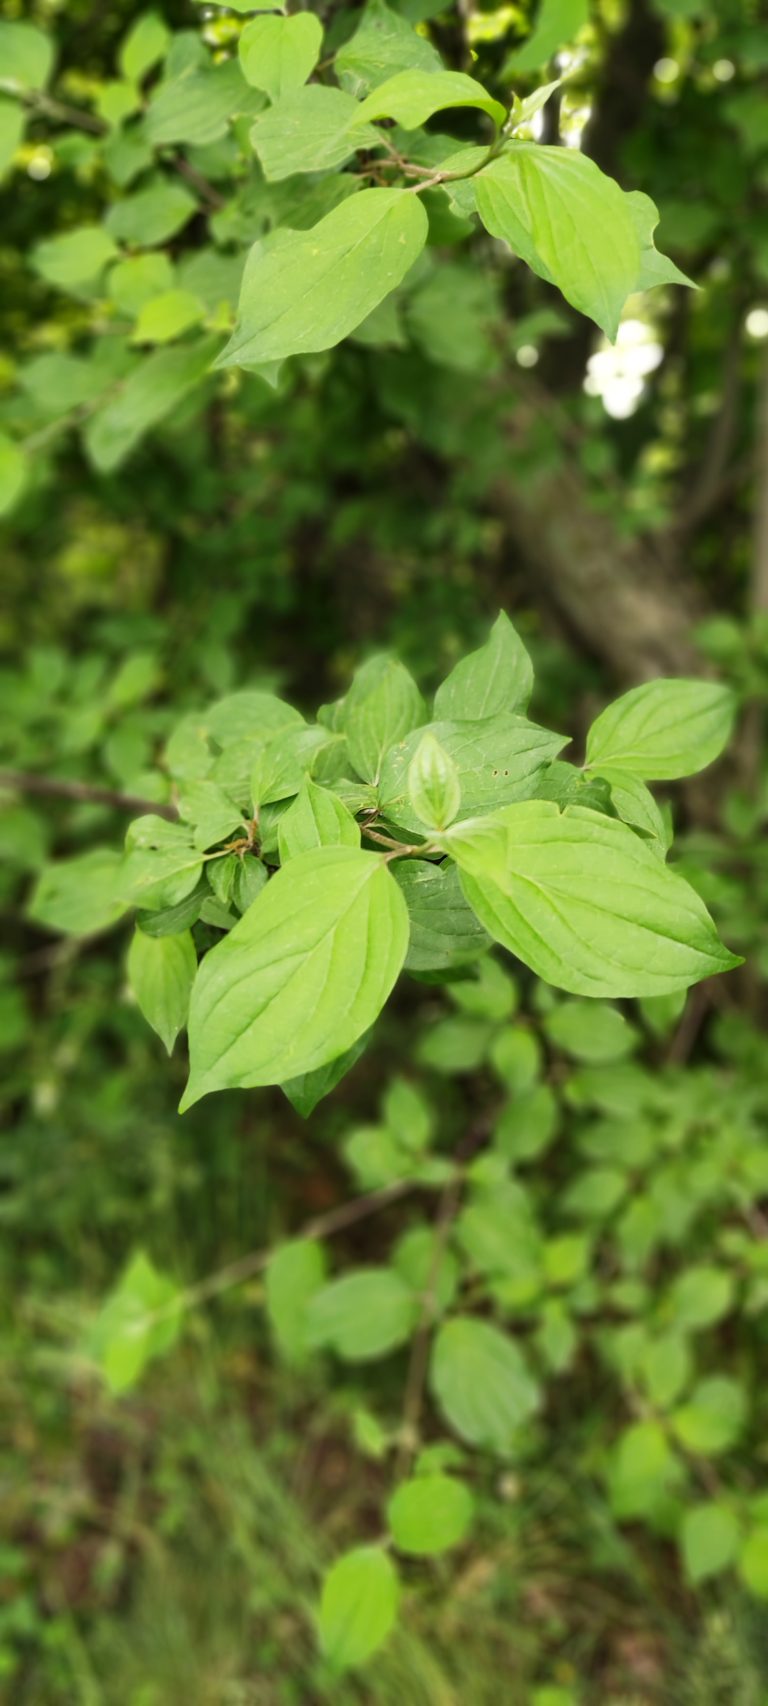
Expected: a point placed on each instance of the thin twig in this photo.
(23, 782)
(246, 1267)
(199, 182)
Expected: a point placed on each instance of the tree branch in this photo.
(23, 782)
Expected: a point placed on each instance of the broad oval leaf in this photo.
(444, 931)
(295, 1272)
(382, 706)
(429, 1514)
(363, 1315)
(309, 130)
(278, 53)
(568, 222)
(663, 729)
(482, 1383)
(497, 677)
(412, 97)
(26, 56)
(305, 290)
(161, 972)
(497, 760)
(316, 818)
(358, 1606)
(303, 974)
(584, 902)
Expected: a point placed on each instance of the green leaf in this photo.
(161, 864)
(588, 1030)
(372, 1154)
(278, 54)
(11, 131)
(663, 729)
(13, 473)
(498, 677)
(135, 282)
(149, 217)
(558, 22)
(311, 130)
(429, 1514)
(303, 974)
(581, 900)
(700, 1296)
(358, 1606)
(414, 1257)
(295, 1272)
(654, 267)
(482, 1384)
(433, 784)
(307, 1089)
(444, 932)
(713, 1418)
(497, 759)
(635, 805)
(167, 316)
(363, 1315)
(142, 47)
(753, 1561)
(125, 1335)
(382, 44)
(173, 920)
(643, 1471)
(79, 896)
(315, 819)
(75, 258)
(161, 972)
(305, 290)
(382, 706)
(26, 56)
(152, 390)
(408, 1115)
(197, 107)
(249, 715)
(411, 97)
(568, 222)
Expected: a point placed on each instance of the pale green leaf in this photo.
(306, 290)
(663, 729)
(143, 46)
(713, 1417)
(710, 1539)
(150, 217)
(315, 819)
(482, 1384)
(363, 1315)
(152, 390)
(75, 258)
(635, 805)
(310, 130)
(558, 22)
(581, 900)
(138, 1321)
(358, 1606)
(161, 972)
(497, 677)
(197, 108)
(654, 267)
(429, 1514)
(11, 131)
(26, 56)
(382, 44)
(13, 473)
(167, 316)
(569, 222)
(81, 895)
(137, 281)
(433, 783)
(382, 706)
(497, 759)
(411, 97)
(303, 974)
(295, 1272)
(278, 54)
(591, 1031)
(161, 865)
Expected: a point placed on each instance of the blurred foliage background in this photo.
(166, 1545)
